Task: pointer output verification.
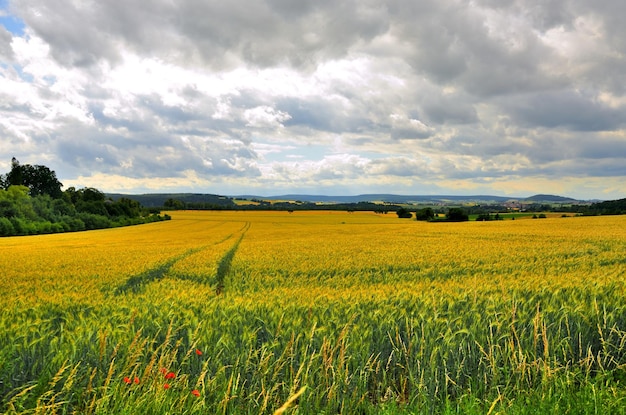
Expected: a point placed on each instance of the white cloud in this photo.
(264, 116)
(405, 127)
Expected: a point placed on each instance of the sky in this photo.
(334, 97)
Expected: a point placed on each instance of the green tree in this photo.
(425, 214)
(62, 208)
(89, 194)
(8, 209)
(124, 207)
(16, 203)
(31, 202)
(6, 227)
(40, 180)
(71, 195)
(14, 177)
(456, 215)
(89, 200)
(174, 204)
(403, 213)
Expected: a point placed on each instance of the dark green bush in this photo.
(6, 227)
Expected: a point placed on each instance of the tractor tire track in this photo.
(136, 284)
(223, 266)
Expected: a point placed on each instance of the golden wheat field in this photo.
(368, 313)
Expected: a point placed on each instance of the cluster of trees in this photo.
(223, 203)
(32, 202)
(609, 207)
(177, 204)
(484, 217)
(428, 214)
(39, 180)
(484, 213)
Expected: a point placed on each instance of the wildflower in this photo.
(166, 386)
(136, 380)
(170, 375)
(199, 352)
(163, 370)
(195, 392)
(127, 380)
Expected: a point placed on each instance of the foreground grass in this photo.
(369, 314)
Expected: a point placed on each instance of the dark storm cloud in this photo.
(82, 33)
(173, 115)
(77, 153)
(611, 147)
(448, 41)
(452, 43)
(450, 110)
(215, 32)
(319, 114)
(271, 33)
(567, 109)
(116, 155)
(6, 52)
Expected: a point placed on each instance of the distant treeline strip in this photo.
(614, 207)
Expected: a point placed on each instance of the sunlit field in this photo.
(316, 312)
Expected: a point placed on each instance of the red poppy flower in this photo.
(170, 375)
(136, 380)
(127, 380)
(195, 392)
(166, 386)
(163, 370)
(199, 352)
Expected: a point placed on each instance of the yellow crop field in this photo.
(316, 312)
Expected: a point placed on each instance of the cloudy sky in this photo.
(504, 97)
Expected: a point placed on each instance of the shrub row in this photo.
(15, 226)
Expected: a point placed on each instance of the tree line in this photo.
(453, 214)
(493, 212)
(609, 207)
(32, 202)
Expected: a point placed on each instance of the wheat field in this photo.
(316, 312)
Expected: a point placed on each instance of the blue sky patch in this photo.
(12, 23)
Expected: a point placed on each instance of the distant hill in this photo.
(549, 199)
(198, 199)
(383, 197)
